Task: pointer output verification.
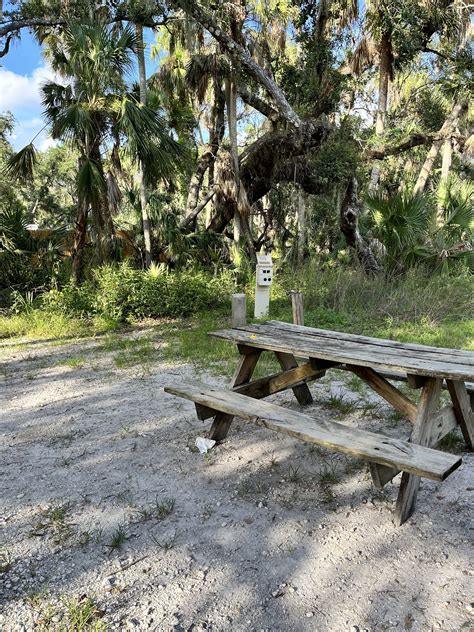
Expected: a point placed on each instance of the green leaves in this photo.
(21, 166)
(147, 137)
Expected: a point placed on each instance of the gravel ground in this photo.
(111, 520)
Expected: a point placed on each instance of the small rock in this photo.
(470, 607)
(309, 615)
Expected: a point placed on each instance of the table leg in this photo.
(421, 435)
(244, 371)
(462, 410)
(302, 392)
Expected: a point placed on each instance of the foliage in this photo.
(414, 230)
(122, 293)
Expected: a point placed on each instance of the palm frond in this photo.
(21, 166)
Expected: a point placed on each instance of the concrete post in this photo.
(239, 310)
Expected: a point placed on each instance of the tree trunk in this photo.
(231, 101)
(350, 211)
(446, 158)
(447, 155)
(301, 211)
(141, 175)
(79, 240)
(445, 132)
(385, 71)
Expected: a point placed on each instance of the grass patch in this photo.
(74, 362)
(44, 325)
(118, 539)
(340, 404)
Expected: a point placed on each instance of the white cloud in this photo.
(45, 142)
(22, 91)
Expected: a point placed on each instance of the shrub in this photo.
(122, 293)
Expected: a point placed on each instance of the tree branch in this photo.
(258, 103)
(242, 57)
(413, 141)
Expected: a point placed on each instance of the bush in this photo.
(122, 293)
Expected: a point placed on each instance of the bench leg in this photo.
(301, 392)
(422, 432)
(244, 371)
(462, 410)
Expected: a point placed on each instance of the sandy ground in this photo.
(109, 518)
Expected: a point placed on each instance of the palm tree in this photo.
(93, 111)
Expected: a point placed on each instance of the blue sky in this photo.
(22, 72)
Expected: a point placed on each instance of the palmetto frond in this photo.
(21, 166)
(400, 221)
(147, 136)
(75, 122)
(14, 236)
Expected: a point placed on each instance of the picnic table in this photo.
(306, 354)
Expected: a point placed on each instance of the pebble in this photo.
(309, 615)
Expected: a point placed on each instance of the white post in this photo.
(264, 278)
(239, 310)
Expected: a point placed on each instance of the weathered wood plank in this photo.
(462, 410)
(416, 381)
(301, 392)
(444, 422)
(242, 374)
(421, 436)
(415, 359)
(304, 347)
(386, 390)
(277, 382)
(443, 352)
(368, 445)
(220, 426)
(245, 368)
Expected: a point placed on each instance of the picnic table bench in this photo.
(426, 368)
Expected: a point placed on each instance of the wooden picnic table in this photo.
(371, 359)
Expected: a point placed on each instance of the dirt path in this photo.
(109, 516)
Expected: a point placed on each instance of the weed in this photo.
(452, 442)
(164, 508)
(294, 474)
(167, 544)
(341, 404)
(74, 362)
(372, 409)
(53, 521)
(46, 615)
(159, 510)
(83, 615)
(328, 474)
(119, 536)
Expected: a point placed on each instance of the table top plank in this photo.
(400, 358)
(376, 351)
(443, 352)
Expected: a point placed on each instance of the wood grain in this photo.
(406, 456)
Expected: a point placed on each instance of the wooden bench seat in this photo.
(377, 448)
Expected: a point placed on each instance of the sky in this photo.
(22, 73)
